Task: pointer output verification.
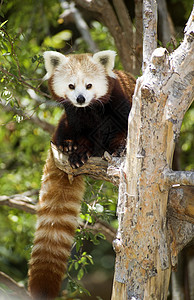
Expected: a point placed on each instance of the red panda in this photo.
(97, 101)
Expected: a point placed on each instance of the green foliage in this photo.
(100, 203)
(79, 263)
(186, 142)
(58, 40)
(74, 289)
(101, 36)
(35, 18)
(15, 240)
(23, 147)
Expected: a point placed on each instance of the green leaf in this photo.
(83, 260)
(76, 265)
(80, 274)
(79, 243)
(5, 46)
(2, 24)
(89, 257)
(101, 236)
(84, 208)
(34, 58)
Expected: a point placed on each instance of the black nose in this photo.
(81, 99)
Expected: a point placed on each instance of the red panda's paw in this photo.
(78, 159)
(68, 146)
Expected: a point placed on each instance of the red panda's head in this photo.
(79, 78)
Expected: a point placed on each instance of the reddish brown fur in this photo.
(127, 83)
(50, 255)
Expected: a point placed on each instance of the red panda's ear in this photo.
(52, 59)
(107, 59)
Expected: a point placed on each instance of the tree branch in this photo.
(33, 118)
(182, 232)
(96, 167)
(19, 201)
(109, 170)
(39, 99)
(124, 20)
(169, 79)
(180, 84)
(150, 30)
(82, 26)
(24, 83)
(18, 290)
(179, 177)
(181, 203)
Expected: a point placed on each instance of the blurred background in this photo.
(28, 116)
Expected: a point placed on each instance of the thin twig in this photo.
(33, 118)
(25, 83)
(12, 51)
(107, 230)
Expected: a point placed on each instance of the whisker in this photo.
(101, 103)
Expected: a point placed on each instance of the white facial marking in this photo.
(80, 78)
(71, 81)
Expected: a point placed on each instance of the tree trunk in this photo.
(146, 245)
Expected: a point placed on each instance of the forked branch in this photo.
(96, 167)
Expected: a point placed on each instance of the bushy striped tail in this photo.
(59, 205)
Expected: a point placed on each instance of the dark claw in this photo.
(73, 166)
(79, 153)
(67, 146)
(77, 159)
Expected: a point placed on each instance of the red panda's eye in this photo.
(88, 86)
(72, 86)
